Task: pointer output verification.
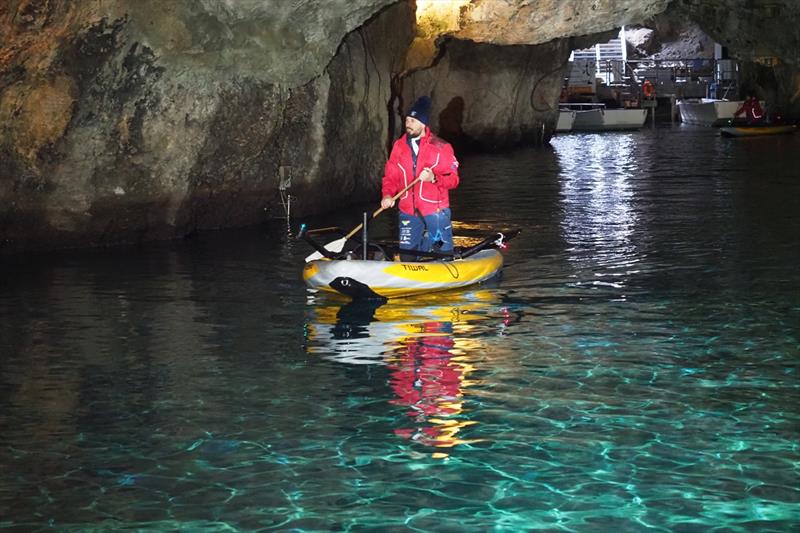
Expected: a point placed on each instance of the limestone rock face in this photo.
(524, 22)
(125, 121)
(518, 106)
(669, 39)
(751, 29)
(520, 22)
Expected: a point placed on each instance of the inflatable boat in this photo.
(750, 131)
(376, 271)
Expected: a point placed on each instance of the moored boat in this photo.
(609, 119)
(707, 111)
(597, 117)
(757, 130)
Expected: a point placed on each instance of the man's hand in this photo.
(387, 202)
(427, 175)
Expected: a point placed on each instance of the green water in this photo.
(635, 368)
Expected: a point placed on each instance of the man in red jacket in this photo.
(424, 218)
(751, 108)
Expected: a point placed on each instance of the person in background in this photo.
(648, 90)
(751, 108)
(424, 210)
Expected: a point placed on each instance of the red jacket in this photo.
(434, 153)
(752, 110)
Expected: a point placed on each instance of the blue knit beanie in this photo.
(421, 110)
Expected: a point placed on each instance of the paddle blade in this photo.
(333, 246)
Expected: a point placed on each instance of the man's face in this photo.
(414, 128)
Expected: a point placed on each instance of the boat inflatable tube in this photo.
(370, 279)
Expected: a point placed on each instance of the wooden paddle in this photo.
(337, 245)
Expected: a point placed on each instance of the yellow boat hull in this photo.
(751, 131)
(391, 279)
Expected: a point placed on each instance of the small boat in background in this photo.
(707, 111)
(753, 130)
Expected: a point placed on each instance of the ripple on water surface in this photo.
(634, 368)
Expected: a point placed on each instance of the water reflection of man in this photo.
(428, 373)
(425, 378)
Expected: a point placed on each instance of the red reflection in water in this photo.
(426, 379)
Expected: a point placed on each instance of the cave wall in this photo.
(511, 22)
(129, 121)
(750, 28)
(667, 37)
(517, 106)
(357, 125)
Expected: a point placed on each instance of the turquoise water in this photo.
(635, 368)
